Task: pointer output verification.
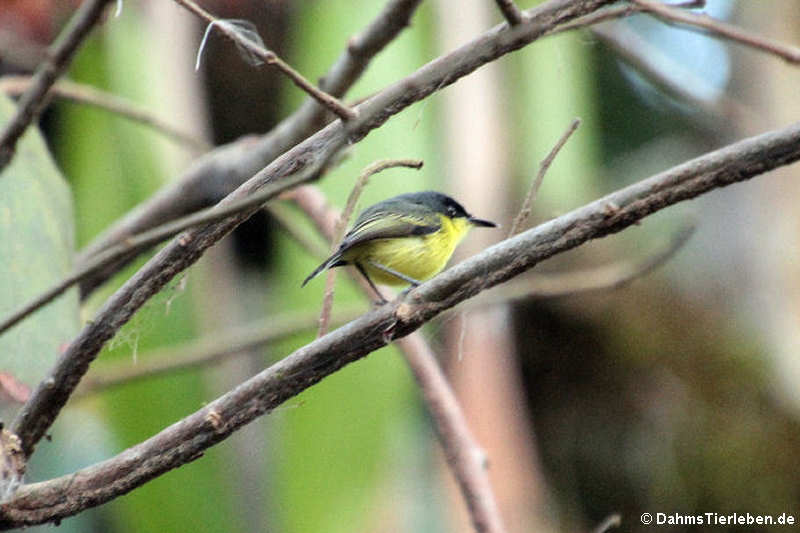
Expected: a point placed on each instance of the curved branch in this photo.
(186, 440)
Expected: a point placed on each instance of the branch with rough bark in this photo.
(187, 439)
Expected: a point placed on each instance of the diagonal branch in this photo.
(271, 58)
(58, 58)
(461, 449)
(222, 170)
(186, 440)
(544, 165)
(135, 242)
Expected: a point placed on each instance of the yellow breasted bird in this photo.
(404, 239)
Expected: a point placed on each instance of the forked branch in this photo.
(186, 440)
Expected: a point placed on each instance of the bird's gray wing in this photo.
(390, 221)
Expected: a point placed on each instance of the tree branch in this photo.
(58, 58)
(85, 94)
(135, 242)
(186, 440)
(649, 60)
(271, 58)
(222, 170)
(525, 210)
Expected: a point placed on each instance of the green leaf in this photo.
(36, 247)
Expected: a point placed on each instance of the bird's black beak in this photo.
(479, 222)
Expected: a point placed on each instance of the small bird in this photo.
(404, 239)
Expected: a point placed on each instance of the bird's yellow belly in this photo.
(419, 257)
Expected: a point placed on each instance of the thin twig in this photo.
(716, 27)
(186, 440)
(341, 226)
(271, 58)
(58, 58)
(510, 11)
(618, 12)
(525, 210)
(225, 168)
(324, 216)
(85, 94)
(583, 281)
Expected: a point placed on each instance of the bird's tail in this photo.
(332, 261)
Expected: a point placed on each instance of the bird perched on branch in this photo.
(403, 240)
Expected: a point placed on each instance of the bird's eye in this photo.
(451, 211)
